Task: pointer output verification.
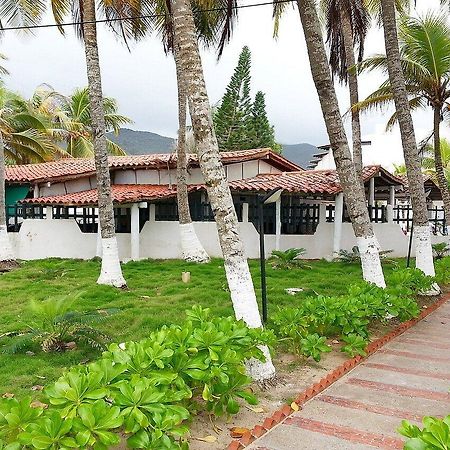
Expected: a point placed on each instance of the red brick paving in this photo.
(414, 355)
(395, 389)
(361, 411)
(353, 404)
(424, 343)
(420, 373)
(345, 433)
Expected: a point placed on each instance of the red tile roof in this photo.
(121, 193)
(307, 181)
(73, 168)
(313, 182)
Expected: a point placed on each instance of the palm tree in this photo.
(424, 253)
(24, 137)
(347, 24)
(424, 53)
(72, 119)
(191, 246)
(429, 162)
(236, 267)
(353, 189)
(213, 28)
(111, 272)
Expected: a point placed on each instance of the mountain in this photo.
(300, 154)
(142, 142)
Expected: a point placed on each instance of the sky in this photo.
(143, 79)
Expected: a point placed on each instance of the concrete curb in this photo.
(280, 415)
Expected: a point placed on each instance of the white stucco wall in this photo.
(63, 238)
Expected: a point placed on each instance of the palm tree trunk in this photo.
(440, 175)
(424, 254)
(111, 272)
(236, 267)
(6, 252)
(190, 244)
(353, 90)
(351, 185)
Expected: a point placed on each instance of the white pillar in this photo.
(372, 192)
(338, 211)
(244, 212)
(277, 224)
(135, 232)
(49, 212)
(36, 191)
(391, 204)
(322, 213)
(152, 212)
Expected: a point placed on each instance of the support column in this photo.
(391, 204)
(372, 192)
(277, 224)
(49, 212)
(338, 211)
(152, 212)
(135, 232)
(322, 213)
(244, 212)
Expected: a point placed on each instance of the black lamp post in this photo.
(270, 197)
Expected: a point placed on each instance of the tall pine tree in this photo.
(263, 131)
(239, 124)
(233, 118)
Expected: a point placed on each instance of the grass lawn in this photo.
(156, 296)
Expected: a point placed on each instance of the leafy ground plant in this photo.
(288, 259)
(307, 326)
(441, 250)
(353, 255)
(145, 390)
(55, 324)
(435, 434)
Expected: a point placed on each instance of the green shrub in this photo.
(353, 255)
(435, 434)
(147, 390)
(288, 259)
(441, 249)
(442, 267)
(55, 323)
(348, 317)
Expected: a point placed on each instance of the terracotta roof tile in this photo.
(72, 168)
(325, 182)
(121, 193)
(307, 181)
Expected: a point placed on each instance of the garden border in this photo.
(279, 416)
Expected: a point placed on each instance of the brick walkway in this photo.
(406, 379)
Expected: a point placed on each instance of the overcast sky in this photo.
(143, 80)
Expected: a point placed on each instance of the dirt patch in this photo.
(7, 266)
(294, 374)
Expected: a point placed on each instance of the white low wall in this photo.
(62, 238)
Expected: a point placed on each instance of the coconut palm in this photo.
(425, 59)
(429, 162)
(353, 189)
(84, 13)
(24, 137)
(213, 28)
(236, 267)
(72, 119)
(424, 253)
(347, 23)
